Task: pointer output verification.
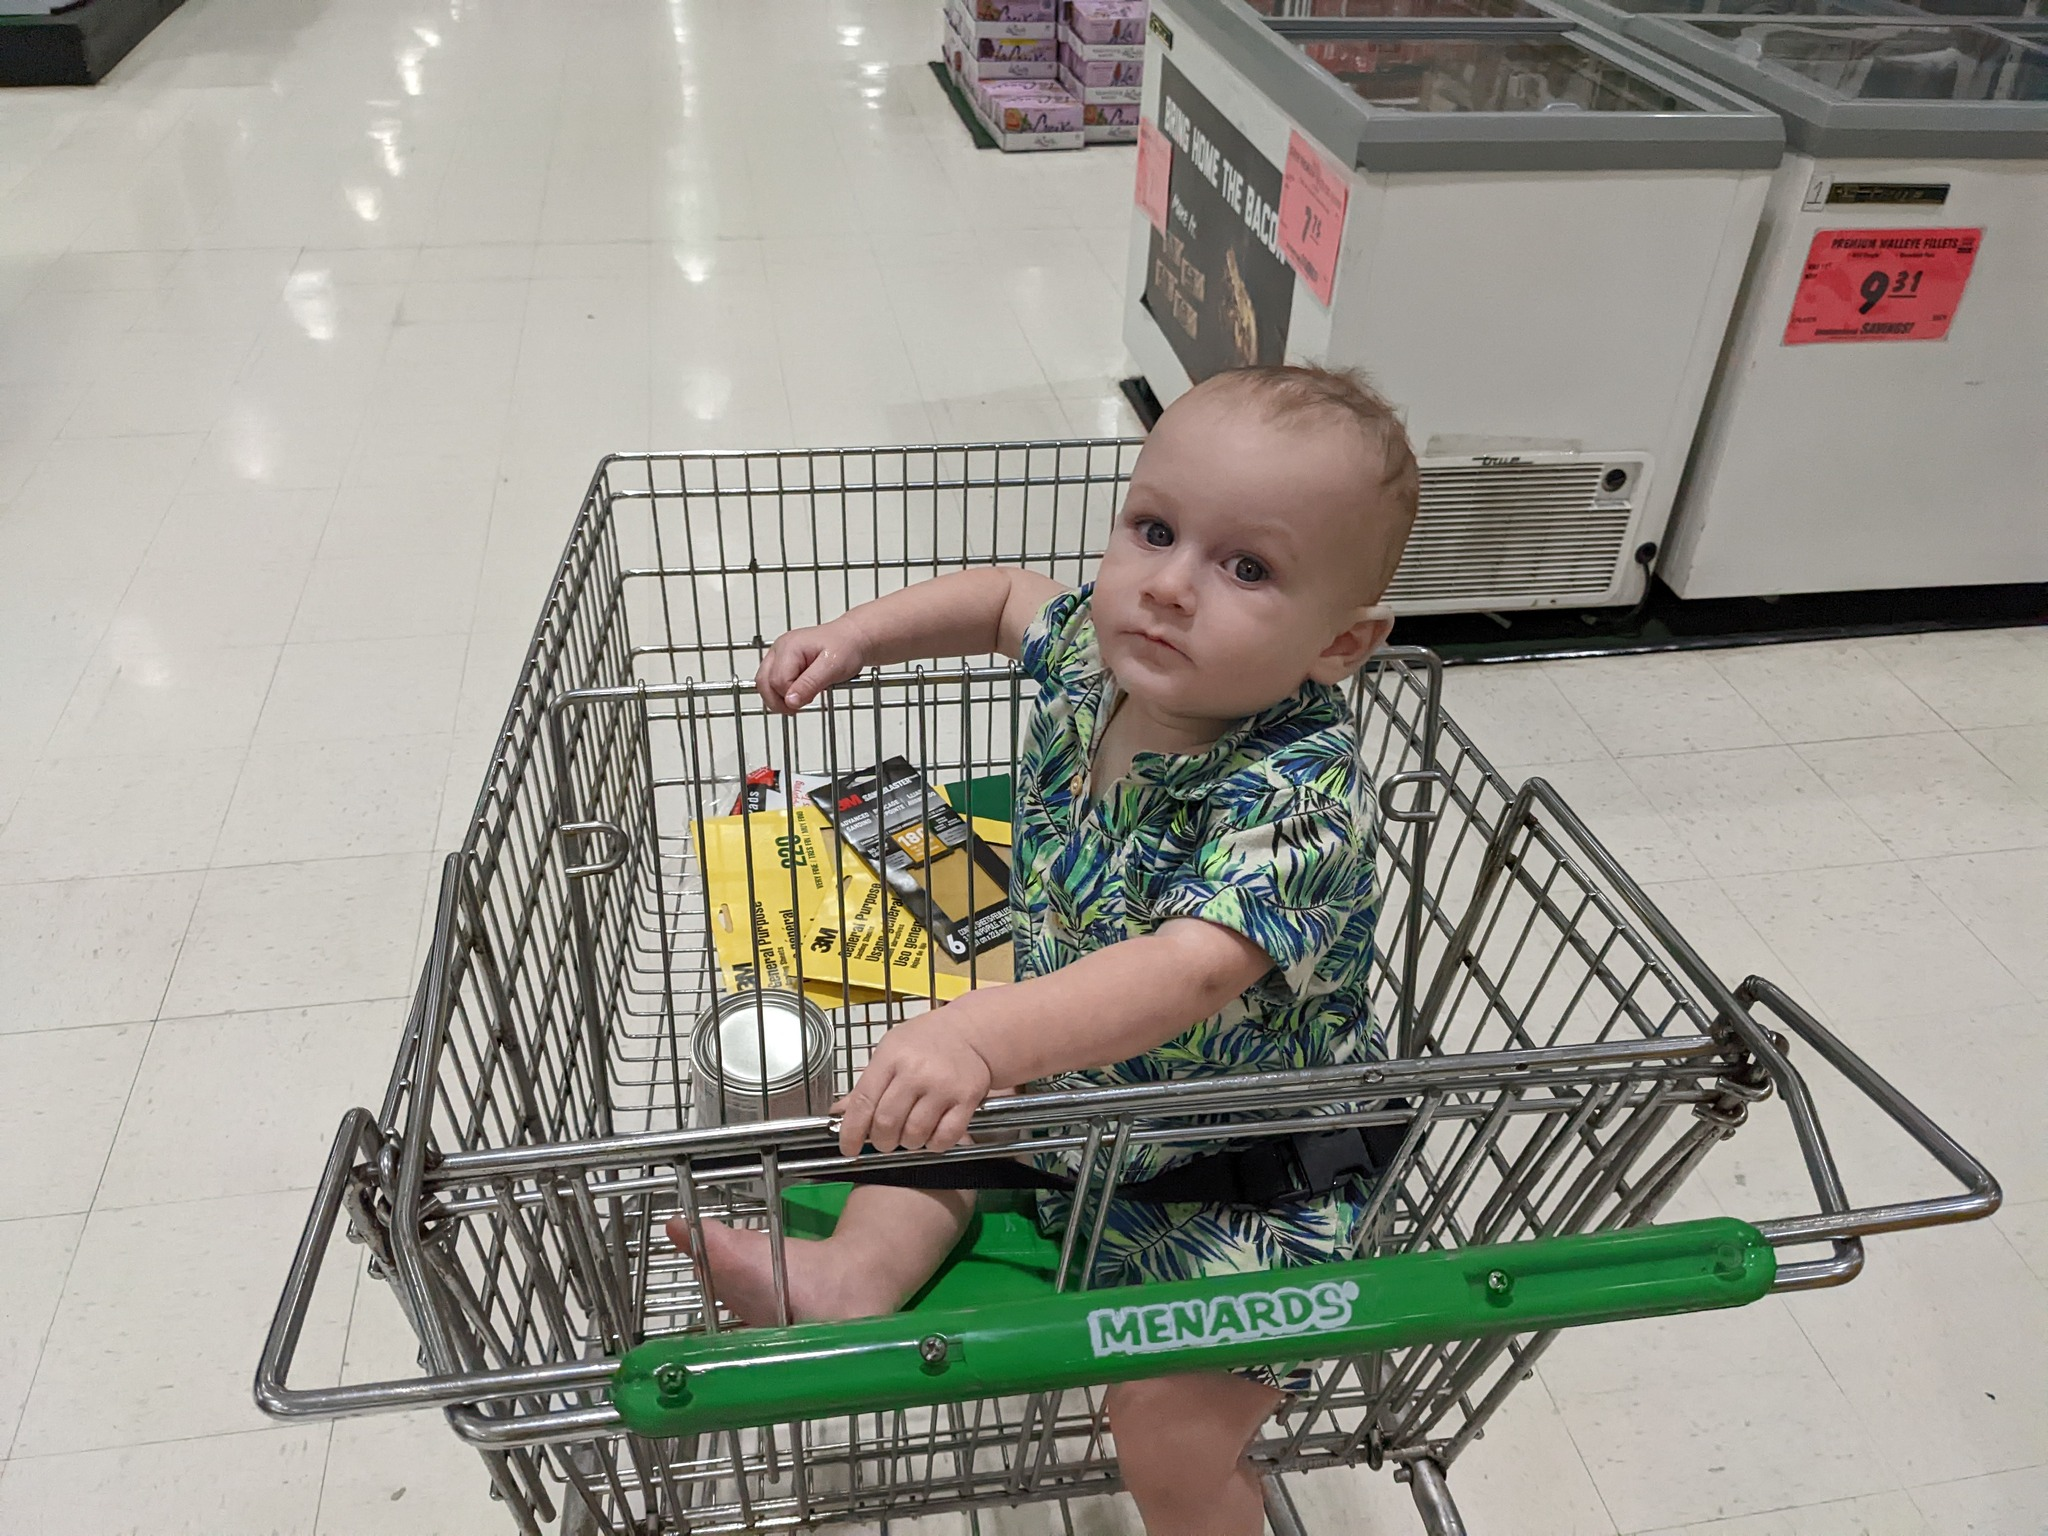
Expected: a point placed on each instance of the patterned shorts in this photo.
(1144, 1241)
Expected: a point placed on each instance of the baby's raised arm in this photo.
(969, 613)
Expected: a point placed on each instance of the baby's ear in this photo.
(1354, 645)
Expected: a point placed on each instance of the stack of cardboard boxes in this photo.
(1102, 62)
(1049, 74)
(1004, 55)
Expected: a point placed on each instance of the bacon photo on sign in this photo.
(1216, 280)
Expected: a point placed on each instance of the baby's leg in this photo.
(1181, 1442)
(888, 1242)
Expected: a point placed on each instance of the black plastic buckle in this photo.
(1331, 1158)
(1264, 1174)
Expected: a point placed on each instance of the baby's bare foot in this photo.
(743, 1276)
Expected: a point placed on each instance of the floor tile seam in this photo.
(287, 1239)
(65, 1029)
(355, 435)
(185, 934)
(1996, 766)
(783, 342)
(234, 792)
(140, 93)
(1922, 1017)
(1789, 744)
(348, 1332)
(1572, 1439)
(2040, 1278)
(1963, 922)
(453, 159)
(25, 1457)
(1888, 857)
(1873, 827)
(1009, 308)
(1675, 837)
(149, 1037)
(53, 759)
(26, 1217)
(1863, 1424)
(1914, 1490)
(1951, 730)
(556, 98)
(1934, 703)
(178, 1020)
(2032, 842)
(1776, 1509)
(71, 1262)
(102, 631)
(333, 495)
(1795, 986)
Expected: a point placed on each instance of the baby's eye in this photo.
(1249, 570)
(1155, 533)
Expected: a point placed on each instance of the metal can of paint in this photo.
(760, 1056)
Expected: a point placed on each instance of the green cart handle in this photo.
(695, 1383)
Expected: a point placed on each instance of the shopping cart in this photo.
(1561, 1061)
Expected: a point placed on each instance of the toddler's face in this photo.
(1238, 565)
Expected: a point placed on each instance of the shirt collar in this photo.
(1189, 776)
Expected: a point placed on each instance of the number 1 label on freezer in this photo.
(1881, 284)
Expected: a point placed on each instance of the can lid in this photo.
(755, 1040)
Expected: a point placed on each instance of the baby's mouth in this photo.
(1158, 642)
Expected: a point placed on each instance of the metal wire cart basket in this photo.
(1561, 1061)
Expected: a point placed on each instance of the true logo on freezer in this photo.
(1273, 1314)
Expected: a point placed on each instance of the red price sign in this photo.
(1155, 169)
(1881, 284)
(1313, 195)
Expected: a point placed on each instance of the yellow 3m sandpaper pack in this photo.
(881, 945)
(766, 877)
(769, 880)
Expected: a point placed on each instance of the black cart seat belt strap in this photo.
(1267, 1173)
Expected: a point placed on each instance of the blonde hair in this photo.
(1287, 391)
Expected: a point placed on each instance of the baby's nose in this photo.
(1172, 584)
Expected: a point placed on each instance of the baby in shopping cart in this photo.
(1193, 872)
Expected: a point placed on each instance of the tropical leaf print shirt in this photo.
(1269, 832)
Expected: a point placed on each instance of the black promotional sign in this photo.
(1216, 283)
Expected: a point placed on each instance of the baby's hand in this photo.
(921, 1086)
(805, 662)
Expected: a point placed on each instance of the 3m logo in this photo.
(1276, 1314)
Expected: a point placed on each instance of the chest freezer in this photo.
(1875, 421)
(1531, 235)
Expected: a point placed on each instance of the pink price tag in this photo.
(1313, 194)
(1155, 169)
(1881, 284)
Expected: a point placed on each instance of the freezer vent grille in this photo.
(1517, 534)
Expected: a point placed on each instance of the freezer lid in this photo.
(1303, 12)
(1504, 93)
(1828, 12)
(1947, 79)
(1885, 89)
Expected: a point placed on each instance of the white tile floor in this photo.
(313, 322)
